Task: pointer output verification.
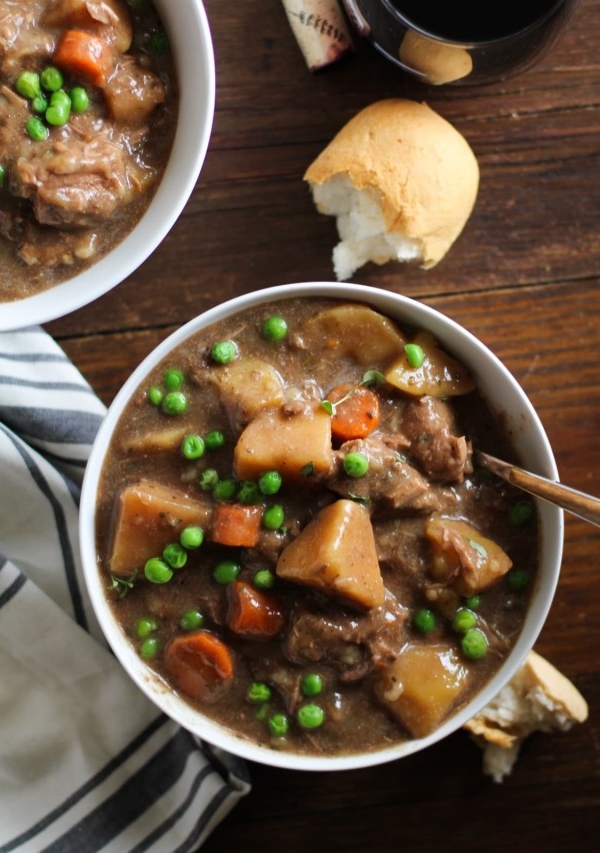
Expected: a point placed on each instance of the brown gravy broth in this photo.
(68, 199)
(347, 644)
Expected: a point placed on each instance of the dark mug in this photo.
(463, 43)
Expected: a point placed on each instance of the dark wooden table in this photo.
(524, 276)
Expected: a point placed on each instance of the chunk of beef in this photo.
(355, 644)
(401, 547)
(435, 444)
(22, 42)
(14, 112)
(283, 678)
(390, 481)
(77, 180)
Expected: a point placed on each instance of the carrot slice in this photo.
(83, 54)
(252, 612)
(201, 664)
(237, 525)
(356, 411)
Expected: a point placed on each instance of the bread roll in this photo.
(538, 698)
(402, 182)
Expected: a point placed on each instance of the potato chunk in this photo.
(335, 553)
(165, 440)
(353, 330)
(148, 517)
(247, 386)
(440, 375)
(422, 686)
(294, 439)
(463, 558)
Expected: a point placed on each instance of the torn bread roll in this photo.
(402, 182)
(538, 698)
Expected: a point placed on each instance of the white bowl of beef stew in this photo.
(319, 436)
(98, 187)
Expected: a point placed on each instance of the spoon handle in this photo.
(578, 503)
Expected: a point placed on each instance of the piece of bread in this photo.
(538, 698)
(402, 182)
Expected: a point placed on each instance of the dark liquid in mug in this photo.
(468, 21)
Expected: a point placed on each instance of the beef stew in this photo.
(88, 108)
(295, 539)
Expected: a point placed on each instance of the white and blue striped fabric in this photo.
(87, 763)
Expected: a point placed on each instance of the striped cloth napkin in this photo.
(87, 763)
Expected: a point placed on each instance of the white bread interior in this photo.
(538, 698)
(402, 182)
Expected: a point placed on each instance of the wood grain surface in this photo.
(524, 276)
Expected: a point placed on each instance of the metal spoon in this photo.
(578, 503)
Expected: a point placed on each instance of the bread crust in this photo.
(538, 698)
(421, 170)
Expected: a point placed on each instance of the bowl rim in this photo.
(190, 146)
(489, 372)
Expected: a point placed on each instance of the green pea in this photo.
(311, 684)
(474, 644)
(2, 176)
(208, 479)
(520, 513)
(36, 129)
(57, 116)
(263, 579)
(191, 620)
(191, 537)
(149, 648)
(261, 711)
(270, 482)
(215, 439)
(473, 602)
(279, 725)
(28, 84)
(157, 570)
(173, 379)
(274, 328)
(258, 692)
(158, 43)
(51, 79)
(224, 352)
(225, 490)
(175, 555)
(414, 355)
(463, 620)
(145, 626)
(310, 716)
(355, 464)
(174, 403)
(518, 579)
(80, 100)
(59, 109)
(226, 571)
(273, 517)
(60, 97)
(39, 104)
(249, 493)
(192, 447)
(154, 395)
(424, 620)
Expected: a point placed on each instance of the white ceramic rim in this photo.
(530, 440)
(197, 85)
